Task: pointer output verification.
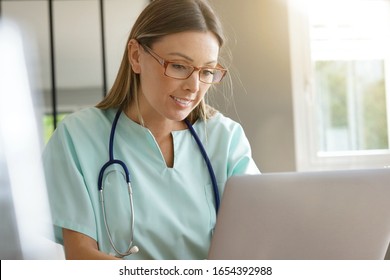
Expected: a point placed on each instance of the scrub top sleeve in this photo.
(69, 199)
(240, 154)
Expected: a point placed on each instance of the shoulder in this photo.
(87, 116)
(80, 133)
(221, 129)
(88, 119)
(83, 126)
(228, 146)
(222, 124)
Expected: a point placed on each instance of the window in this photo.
(48, 127)
(75, 76)
(341, 80)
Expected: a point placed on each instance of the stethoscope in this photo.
(134, 249)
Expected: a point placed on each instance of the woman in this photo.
(159, 123)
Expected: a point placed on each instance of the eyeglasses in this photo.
(207, 75)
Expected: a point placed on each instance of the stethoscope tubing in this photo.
(208, 163)
(112, 161)
(129, 249)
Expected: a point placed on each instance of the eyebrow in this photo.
(189, 58)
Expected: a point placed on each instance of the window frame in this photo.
(302, 79)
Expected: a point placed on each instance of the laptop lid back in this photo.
(310, 215)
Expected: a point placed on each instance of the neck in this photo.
(159, 126)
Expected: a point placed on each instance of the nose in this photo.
(192, 82)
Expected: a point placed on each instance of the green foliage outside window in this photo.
(351, 104)
(48, 126)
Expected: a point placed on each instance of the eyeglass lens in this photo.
(206, 75)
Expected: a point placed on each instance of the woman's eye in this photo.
(207, 72)
(177, 66)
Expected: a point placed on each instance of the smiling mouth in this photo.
(181, 101)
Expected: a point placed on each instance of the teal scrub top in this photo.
(174, 207)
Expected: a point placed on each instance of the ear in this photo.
(133, 52)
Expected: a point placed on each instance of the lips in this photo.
(182, 101)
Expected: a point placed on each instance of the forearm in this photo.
(81, 247)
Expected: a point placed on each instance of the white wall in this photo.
(259, 40)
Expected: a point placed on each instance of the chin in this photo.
(179, 115)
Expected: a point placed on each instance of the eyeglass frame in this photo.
(164, 63)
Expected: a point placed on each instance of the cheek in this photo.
(203, 91)
(150, 76)
(148, 73)
(156, 85)
(200, 96)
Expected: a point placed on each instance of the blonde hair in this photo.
(158, 19)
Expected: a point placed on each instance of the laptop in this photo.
(329, 215)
